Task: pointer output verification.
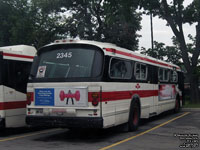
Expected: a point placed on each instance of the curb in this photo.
(190, 109)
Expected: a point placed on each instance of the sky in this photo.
(161, 32)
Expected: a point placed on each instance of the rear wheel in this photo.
(134, 116)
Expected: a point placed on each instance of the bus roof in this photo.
(114, 50)
(18, 52)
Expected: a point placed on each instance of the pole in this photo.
(151, 20)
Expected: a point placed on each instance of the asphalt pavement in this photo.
(168, 131)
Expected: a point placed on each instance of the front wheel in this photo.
(134, 116)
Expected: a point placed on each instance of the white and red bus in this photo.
(88, 84)
(15, 65)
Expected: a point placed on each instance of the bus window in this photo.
(15, 74)
(163, 75)
(140, 71)
(68, 63)
(9, 73)
(174, 76)
(22, 70)
(120, 69)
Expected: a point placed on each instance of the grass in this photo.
(188, 104)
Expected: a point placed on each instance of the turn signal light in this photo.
(29, 97)
(95, 99)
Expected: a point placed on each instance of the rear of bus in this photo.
(64, 89)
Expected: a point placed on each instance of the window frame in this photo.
(109, 69)
(94, 75)
(163, 74)
(146, 75)
(171, 76)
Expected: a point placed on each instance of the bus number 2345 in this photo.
(64, 55)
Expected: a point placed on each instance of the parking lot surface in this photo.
(179, 131)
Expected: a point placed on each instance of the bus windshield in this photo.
(69, 63)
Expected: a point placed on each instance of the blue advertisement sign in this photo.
(44, 97)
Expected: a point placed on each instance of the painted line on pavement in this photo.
(28, 135)
(147, 131)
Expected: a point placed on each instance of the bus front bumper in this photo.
(68, 122)
(2, 122)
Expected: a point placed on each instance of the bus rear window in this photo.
(69, 63)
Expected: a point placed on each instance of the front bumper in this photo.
(69, 122)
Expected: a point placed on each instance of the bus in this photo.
(89, 84)
(15, 66)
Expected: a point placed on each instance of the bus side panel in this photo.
(108, 113)
(14, 107)
(15, 121)
(116, 100)
(166, 97)
(2, 112)
(15, 76)
(122, 111)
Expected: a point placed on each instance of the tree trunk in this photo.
(194, 89)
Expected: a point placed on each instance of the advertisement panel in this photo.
(62, 96)
(167, 91)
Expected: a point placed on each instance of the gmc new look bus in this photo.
(15, 66)
(88, 84)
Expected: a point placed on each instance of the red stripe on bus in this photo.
(12, 105)
(120, 95)
(138, 57)
(17, 55)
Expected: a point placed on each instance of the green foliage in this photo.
(40, 22)
(25, 22)
(191, 13)
(174, 12)
(103, 20)
(189, 104)
(167, 53)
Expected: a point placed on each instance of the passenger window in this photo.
(163, 75)
(140, 71)
(120, 69)
(160, 74)
(137, 72)
(174, 76)
(15, 74)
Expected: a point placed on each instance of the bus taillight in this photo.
(29, 96)
(95, 99)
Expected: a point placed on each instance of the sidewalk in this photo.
(190, 109)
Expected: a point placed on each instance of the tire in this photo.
(177, 105)
(134, 116)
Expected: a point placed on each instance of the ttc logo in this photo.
(137, 86)
(70, 95)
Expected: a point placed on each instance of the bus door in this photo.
(154, 81)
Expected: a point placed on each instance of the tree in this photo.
(26, 22)
(176, 15)
(114, 21)
(170, 54)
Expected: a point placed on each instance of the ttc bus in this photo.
(88, 84)
(15, 66)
